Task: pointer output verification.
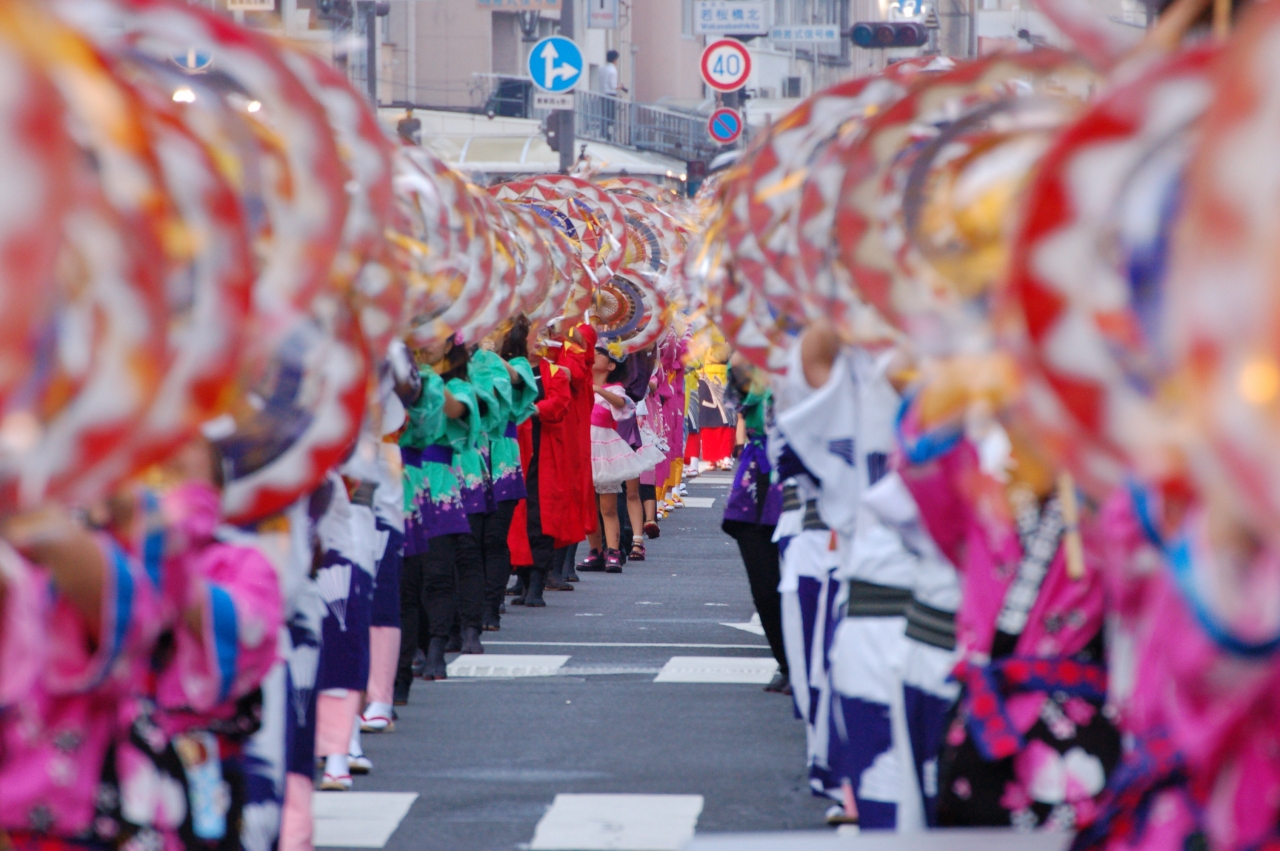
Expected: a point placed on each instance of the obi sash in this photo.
(431, 454)
(987, 686)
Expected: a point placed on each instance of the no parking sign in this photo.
(725, 125)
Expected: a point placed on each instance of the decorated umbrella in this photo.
(600, 203)
(1223, 287)
(297, 415)
(824, 287)
(441, 230)
(640, 188)
(567, 296)
(767, 204)
(949, 201)
(311, 200)
(365, 267)
(540, 272)
(39, 196)
(494, 300)
(576, 220)
(1084, 304)
(933, 103)
(653, 237)
(103, 349)
(632, 309)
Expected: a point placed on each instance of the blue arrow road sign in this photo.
(193, 60)
(555, 64)
(725, 125)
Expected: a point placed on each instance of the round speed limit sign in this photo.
(726, 65)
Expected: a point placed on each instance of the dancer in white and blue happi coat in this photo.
(928, 690)
(808, 561)
(345, 579)
(843, 433)
(384, 616)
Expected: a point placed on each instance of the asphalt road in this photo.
(487, 756)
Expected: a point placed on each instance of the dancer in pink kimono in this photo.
(1200, 693)
(1031, 743)
(152, 639)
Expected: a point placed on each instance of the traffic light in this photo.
(882, 34)
(552, 131)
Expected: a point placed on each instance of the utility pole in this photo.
(371, 10)
(371, 51)
(566, 117)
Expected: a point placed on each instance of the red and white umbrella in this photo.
(1084, 307)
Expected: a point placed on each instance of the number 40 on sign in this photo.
(726, 64)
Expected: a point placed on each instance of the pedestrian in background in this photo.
(609, 88)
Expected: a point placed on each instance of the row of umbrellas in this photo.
(1085, 240)
(234, 251)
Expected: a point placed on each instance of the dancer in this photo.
(540, 532)
(442, 421)
(1033, 659)
(507, 388)
(384, 617)
(613, 461)
(841, 430)
(716, 425)
(752, 510)
(347, 561)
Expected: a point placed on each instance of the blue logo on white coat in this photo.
(843, 449)
(555, 64)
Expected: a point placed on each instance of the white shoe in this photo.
(360, 764)
(691, 472)
(377, 719)
(682, 490)
(337, 774)
(335, 783)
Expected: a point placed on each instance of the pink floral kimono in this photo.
(1202, 763)
(1031, 743)
(88, 749)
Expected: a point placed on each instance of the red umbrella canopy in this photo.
(1084, 304)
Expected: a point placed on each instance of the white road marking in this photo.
(699, 501)
(618, 823)
(498, 665)
(624, 644)
(715, 604)
(605, 670)
(717, 669)
(358, 819)
(752, 626)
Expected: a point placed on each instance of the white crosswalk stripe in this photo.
(752, 626)
(618, 823)
(358, 819)
(717, 669)
(498, 665)
(699, 501)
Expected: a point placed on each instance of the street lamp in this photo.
(529, 25)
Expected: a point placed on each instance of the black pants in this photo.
(562, 560)
(485, 552)
(411, 602)
(760, 557)
(452, 586)
(428, 606)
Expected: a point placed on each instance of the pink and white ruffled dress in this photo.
(613, 461)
